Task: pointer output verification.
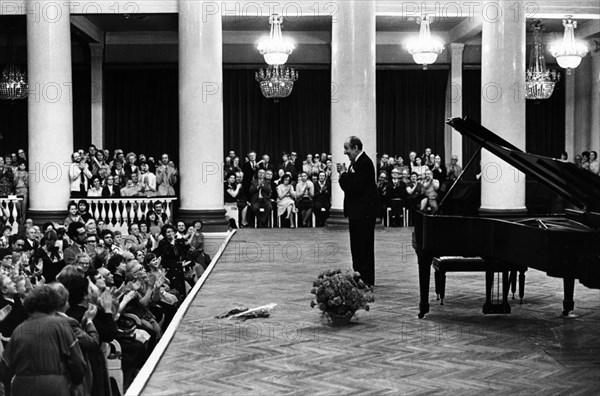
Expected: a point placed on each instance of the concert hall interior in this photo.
(168, 165)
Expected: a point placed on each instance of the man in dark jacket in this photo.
(360, 206)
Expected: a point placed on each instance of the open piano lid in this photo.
(577, 185)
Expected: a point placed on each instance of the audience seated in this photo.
(286, 200)
(260, 199)
(128, 287)
(305, 192)
(322, 199)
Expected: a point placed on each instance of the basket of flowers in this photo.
(339, 294)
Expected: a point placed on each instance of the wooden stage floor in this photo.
(387, 350)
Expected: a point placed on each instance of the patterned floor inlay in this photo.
(454, 350)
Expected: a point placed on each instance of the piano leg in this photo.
(424, 261)
(436, 278)
(440, 285)
(513, 282)
(489, 307)
(521, 285)
(569, 289)
(505, 288)
(489, 284)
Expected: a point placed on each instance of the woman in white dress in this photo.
(286, 199)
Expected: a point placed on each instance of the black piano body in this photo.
(564, 246)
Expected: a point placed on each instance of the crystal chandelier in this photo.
(568, 52)
(425, 49)
(13, 84)
(13, 79)
(539, 81)
(274, 48)
(276, 81)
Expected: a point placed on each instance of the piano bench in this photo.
(473, 264)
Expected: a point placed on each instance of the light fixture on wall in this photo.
(568, 51)
(275, 49)
(276, 81)
(425, 49)
(539, 80)
(13, 79)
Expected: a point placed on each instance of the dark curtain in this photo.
(545, 135)
(300, 122)
(82, 107)
(141, 110)
(411, 110)
(545, 120)
(14, 125)
(13, 128)
(471, 107)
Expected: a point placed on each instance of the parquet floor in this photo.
(454, 350)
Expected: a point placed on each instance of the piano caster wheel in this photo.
(569, 315)
(442, 302)
(423, 309)
(438, 297)
(520, 301)
(513, 297)
(421, 315)
(487, 308)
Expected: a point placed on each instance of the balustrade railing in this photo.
(118, 213)
(11, 210)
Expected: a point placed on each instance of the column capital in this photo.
(457, 47)
(96, 50)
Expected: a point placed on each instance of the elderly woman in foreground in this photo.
(42, 356)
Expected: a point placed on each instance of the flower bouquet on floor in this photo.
(339, 294)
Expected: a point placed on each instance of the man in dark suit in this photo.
(266, 164)
(360, 206)
(260, 199)
(31, 242)
(250, 169)
(77, 234)
(110, 190)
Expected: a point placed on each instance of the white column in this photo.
(97, 51)
(503, 103)
(582, 78)
(456, 50)
(595, 124)
(570, 115)
(50, 111)
(353, 84)
(200, 112)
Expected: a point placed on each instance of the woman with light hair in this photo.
(286, 199)
(53, 367)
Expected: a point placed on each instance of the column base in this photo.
(337, 219)
(40, 217)
(502, 212)
(212, 220)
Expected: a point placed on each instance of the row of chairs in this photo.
(405, 217)
(275, 221)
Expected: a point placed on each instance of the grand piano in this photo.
(564, 246)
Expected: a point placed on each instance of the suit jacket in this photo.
(267, 167)
(289, 167)
(249, 176)
(323, 195)
(360, 190)
(265, 190)
(106, 193)
(30, 246)
(71, 253)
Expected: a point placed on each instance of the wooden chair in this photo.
(112, 353)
